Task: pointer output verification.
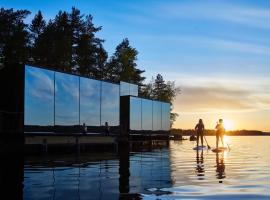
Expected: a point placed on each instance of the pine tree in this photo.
(122, 65)
(102, 57)
(159, 90)
(37, 28)
(62, 49)
(14, 38)
(88, 49)
(77, 25)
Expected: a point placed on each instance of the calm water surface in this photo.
(160, 171)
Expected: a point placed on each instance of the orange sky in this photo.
(243, 103)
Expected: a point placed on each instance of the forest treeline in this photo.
(212, 132)
(69, 43)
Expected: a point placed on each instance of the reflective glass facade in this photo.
(135, 113)
(66, 99)
(165, 116)
(157, 116)
(147, 114)
(56, 101)
(39, 97)
(90, 101)
(133, 90)
(110, 104)
(124, 88)
(128, 89)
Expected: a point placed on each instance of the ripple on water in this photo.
(176, 172)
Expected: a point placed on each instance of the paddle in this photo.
(228, 146)
(207, 142)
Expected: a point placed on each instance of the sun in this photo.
(228, 125)
(226, 139)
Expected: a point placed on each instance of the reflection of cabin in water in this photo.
(39, 101)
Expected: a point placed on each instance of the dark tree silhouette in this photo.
(122, 65)
(88, 50)
(36, 28)
(14, 37)
(67, 43)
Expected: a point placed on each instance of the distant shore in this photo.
(230, 133)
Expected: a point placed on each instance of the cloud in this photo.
(231, 45)
(40, 83)
(216, 11)
(230, 12)
(202, 43)
(215, 98)
(69, 85)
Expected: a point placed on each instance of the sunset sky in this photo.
(218, 52)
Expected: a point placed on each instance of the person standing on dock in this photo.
(107, 128)
(220, 130)
(84, 128)
(199, 128)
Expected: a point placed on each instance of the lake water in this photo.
(159, 171)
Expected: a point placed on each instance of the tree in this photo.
(44, 47)
(102, 57)
(52, 42)
(36, 28)
(122, 65)
(14, 38)
(67, 43)
(90, 52)
(62, 49)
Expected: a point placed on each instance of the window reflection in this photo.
(133, 90)
(165, 116)
(39, 97)
(90, 102)
(135, 113)
(124, 88)
(128, 89)
(156, 115)
(66, 99)
(146, 114)
(110, 104)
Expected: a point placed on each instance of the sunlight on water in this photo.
(226, 139)
(167, 172)
(244, 170)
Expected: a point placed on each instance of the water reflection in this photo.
(220, 166)
(124, 168)
(147, 170)
(125, 175)
(200, 166)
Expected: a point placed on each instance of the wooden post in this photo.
(45, 145)
(78, 145)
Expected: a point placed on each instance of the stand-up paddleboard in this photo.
(219, 149)
(200, 148)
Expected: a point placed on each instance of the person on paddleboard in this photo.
(199, 128)
(220, 131)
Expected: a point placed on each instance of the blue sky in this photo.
(216, 51)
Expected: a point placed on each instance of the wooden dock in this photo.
(70, 143)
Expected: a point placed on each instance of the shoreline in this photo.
(207, 132)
